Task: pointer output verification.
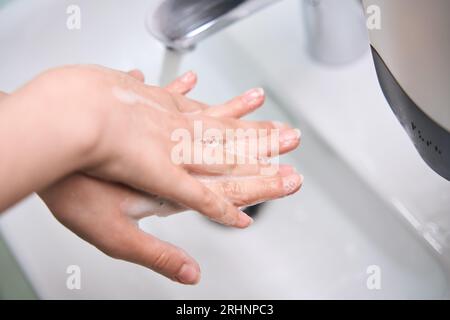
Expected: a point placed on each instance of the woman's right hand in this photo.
(126, 133)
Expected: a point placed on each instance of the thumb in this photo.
(144, 249)
(94, 213)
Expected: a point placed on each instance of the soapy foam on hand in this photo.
(149, 206)
(154, 205)
(131, 98)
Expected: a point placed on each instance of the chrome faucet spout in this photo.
(181, 24)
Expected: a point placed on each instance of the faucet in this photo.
(181, 24)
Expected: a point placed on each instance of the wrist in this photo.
(57, 102)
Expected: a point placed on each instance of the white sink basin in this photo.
(316, 244)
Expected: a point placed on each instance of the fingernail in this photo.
(253, 96)
(289, 136)
(243, 220)
(188, 274)
(188, 77)
(291, 183)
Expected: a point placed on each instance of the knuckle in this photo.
(115, 251)
(215, 208)
(229, 188)
(161, 260)
(276, 183)
(232, 168)
(236, 193)
(116, 245)
(273, 188)
(208, 199)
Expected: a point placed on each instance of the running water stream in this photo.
(170, 66)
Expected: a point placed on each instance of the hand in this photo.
(126, 128)
(109, 125)
(102, 213)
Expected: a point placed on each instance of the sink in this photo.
(322, 242)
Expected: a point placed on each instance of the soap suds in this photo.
(130, 97)
(138, 208)
(149, 206)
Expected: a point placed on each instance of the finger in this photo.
(240, 191)
(246, 191)
(3, 95)
(238, 152)
(97, 217)
(243, 139)
(235, 124)
(160, 256)
(267, 133)
(184, 84)
(137, 74)
(239, 106)
(241, 168)
(235, 108)
(193, 194)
